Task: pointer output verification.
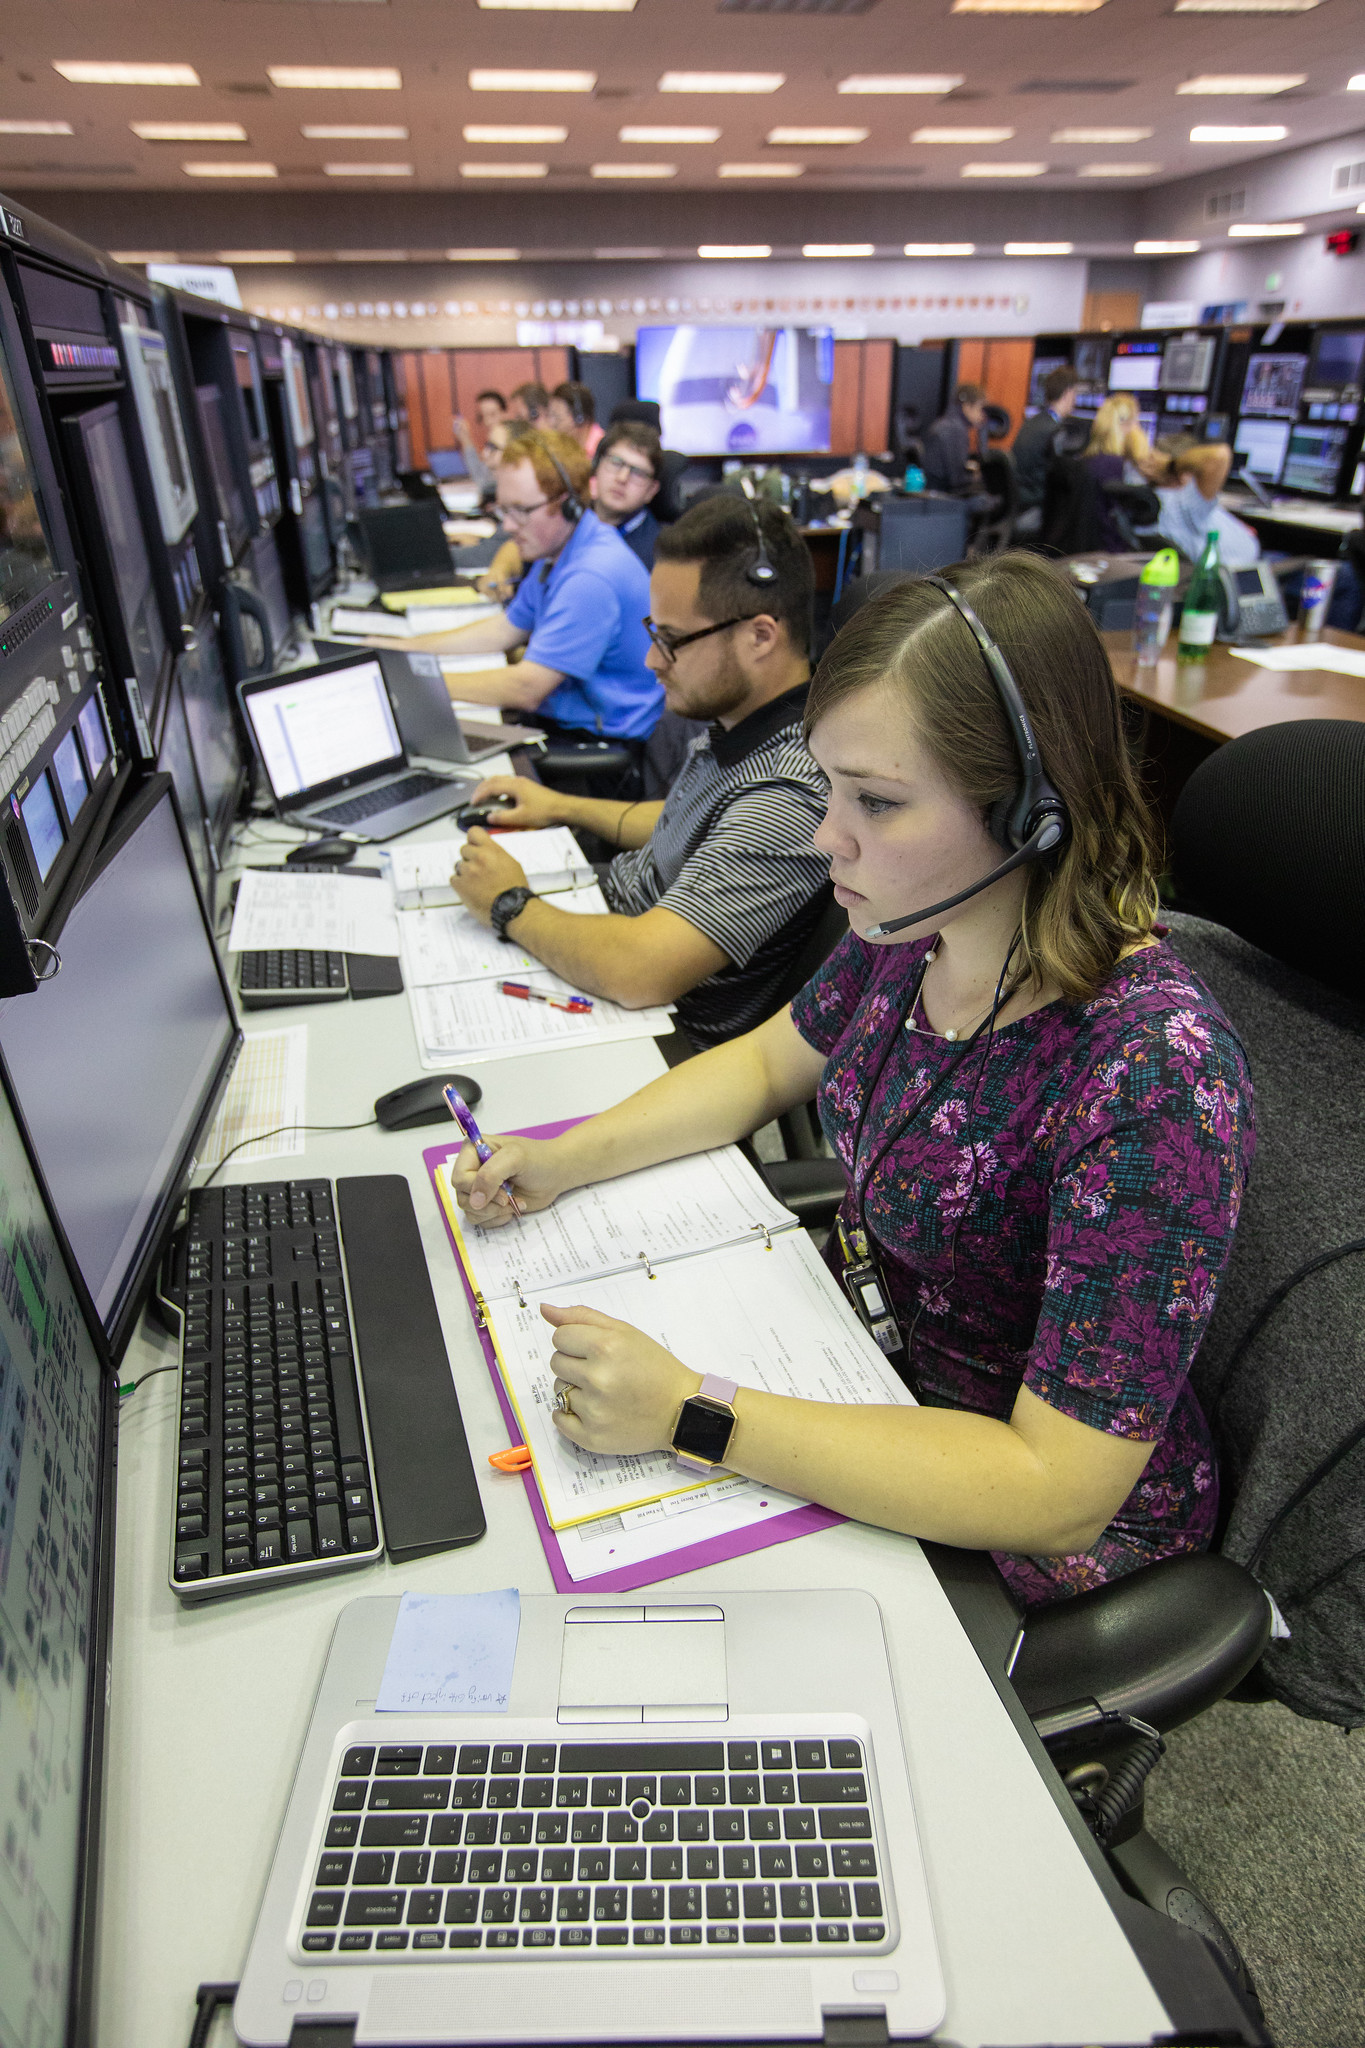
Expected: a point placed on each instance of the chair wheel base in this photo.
(1147, 1872)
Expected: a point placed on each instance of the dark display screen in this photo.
(25, 562)
(1337, 357)
(112, 480)
(231, 506)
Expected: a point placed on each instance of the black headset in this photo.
(761, 570)
(1031, 821)
(571, 505)
(573, 391)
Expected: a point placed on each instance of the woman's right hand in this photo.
(532, 1166)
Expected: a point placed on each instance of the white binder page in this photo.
(660, 1213)
(634, 1537)
(473, 1020)
(774, 1319)
(451, 945)
(550, 858)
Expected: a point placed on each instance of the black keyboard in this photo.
(275, 1475)
(386, 798)
(745, 1847)
(285, 974)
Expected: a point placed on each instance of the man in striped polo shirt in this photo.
(718, 887)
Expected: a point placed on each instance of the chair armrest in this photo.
(811, 1188)
(587, 757)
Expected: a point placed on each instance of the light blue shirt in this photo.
(1187, 517)
(585, 614)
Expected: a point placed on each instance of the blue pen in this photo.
(464, 1117)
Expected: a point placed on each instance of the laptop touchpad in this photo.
(643, 1664)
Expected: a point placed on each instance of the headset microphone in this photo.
(760, 570)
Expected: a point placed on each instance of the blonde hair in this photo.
(1116, 430)
(1098, 897)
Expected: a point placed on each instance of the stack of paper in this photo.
(347, 623)
(552, 859)
(319, 913)
(449, 944)
(461, 596)
(474, 1020)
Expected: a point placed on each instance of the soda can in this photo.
(1316, 597)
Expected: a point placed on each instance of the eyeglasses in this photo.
(518, 514)
(641, 476)
(670, 644)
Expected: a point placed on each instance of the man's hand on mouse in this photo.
(532, 807)
(483, 872)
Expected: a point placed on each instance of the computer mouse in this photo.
(424, 1102)
(481, 813)
(323, 853)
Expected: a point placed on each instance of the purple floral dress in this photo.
(1059, 1221)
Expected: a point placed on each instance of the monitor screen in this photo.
(1187, 365)
(111, 479)
(1042, 369)
(1337, 356)
(213, 736)
(69, 770)
(1263, 443)
(297, 402)
(407, 538)
(269, 580)
(1135, 373)
(446, 464)
(739, 390)
(94, 735)
(311, 729)
(248, 375)
(53, 1395)
(231, 505)
(1314, 460)
(1091, 359)
(313, 537)
(46, 833)
(25, 563)
(131, 1040)
(176, 759)
(1273, 384)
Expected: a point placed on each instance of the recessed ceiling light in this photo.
(1245, 6)
(726, 251)
(1356, 84)
(1166, 248)
(1026, 6)
(559, 6)
(721, 81)
(838, 248)
(482, 255)
(798, 138)
(189, 131)
(669, 135)
(127, 74)
(1038, 248)
(634, 170)
(1003, 170)
(511, 132)
(335, 77)
(638, 253)
(341, 132)
(1248, 229)
(902, 81)
(142, 256)
(1207, 132)
(1118, 170)
(36, 128)
(963, 135)
(532, 81)
(940, 248)
(250, 256)
(1243, 85)
(367, 170)
(504, 170)
(760, 170)
(1104, 137)
(208, 170)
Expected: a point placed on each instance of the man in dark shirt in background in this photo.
(626, 473)
(952, 444)
(1032, 448)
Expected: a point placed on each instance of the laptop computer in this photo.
(406, 547)
(333, 756)
(427, 723)
(693, 1823)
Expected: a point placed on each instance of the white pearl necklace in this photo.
(952, 1034)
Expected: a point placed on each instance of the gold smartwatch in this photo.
(705, 1425)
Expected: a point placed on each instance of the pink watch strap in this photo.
(718, 1389)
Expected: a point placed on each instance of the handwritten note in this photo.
(451, 1653)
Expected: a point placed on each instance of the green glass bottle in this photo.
(1203, 603)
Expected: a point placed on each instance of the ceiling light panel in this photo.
(902, 82)
(940, 248)
(760, 170)
(334, 131)
(668, 136)
(722, 81)
(36, 128)
(724, 252)
(1003, 170)
(1038, 248)
(1243, 85)
(1261, 229)
(483, 255)
(1218, 132)
(189, 131)
(959, 136)
(1027, 6)
(816, 138)
(1245, 6)
(558, 6)
(1102, 138)
(512, 132)
(532, 81)
(367, 170)
(229, 170)
(252, 256)
(334, 77)
(1166, 248)
(634, 170)
(1356, 84)
(838, 249)
(504, 170)
(81, 73)
(1118, 170)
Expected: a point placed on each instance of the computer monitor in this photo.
(298, 406)
(212, 726)
(263, 561)
(117, 1061)
(1091, 358)
(1338, 356)
(232, 512)
(175, 758)
(406, 544)
(1273, 384)
(163, 432)
(247, 371)
(739, 390)
(26, 564)
(1263, 444)
(105, 461)
(1187, 365)
(1314, 459)
(446, 464)
(1138, 371)
(315, 542)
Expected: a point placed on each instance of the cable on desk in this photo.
(131, 1386)
(208, 1998)
(259, 1138)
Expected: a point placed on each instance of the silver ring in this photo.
(562, 1401)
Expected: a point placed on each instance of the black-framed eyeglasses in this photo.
(670, 644)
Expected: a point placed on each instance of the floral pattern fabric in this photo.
(1053, 1213)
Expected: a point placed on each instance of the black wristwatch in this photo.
(705, 1425)
(504, 908)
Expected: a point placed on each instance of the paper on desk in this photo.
(472, 1020)
(613, 1543)
(266, 1093)
(451, 1653)
(469, 529)
(327, 913)
(1321, 654)
(458, 595)
(420, 873)
(466, 664)
(451, 945)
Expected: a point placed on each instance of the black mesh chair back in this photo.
(921, 533)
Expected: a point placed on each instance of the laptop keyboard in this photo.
(754, 1846)
(387, 798)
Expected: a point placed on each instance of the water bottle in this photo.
(1155, 607)
(1203, 604)
(860, 469)
(915, 479)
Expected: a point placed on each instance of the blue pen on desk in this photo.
(464, 1117)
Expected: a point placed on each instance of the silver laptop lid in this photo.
(323, 731)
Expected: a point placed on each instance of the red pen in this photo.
(524, 993)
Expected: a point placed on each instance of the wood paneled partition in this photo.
(1002, 369)
(860, 397)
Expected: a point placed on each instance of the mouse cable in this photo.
(259, 1137)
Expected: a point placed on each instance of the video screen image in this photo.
(1273, 384)
(1338, 356)
(739, 390)
(25, 564)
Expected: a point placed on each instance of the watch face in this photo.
(704, 1430)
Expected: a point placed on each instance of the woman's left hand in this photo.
(624, 1389)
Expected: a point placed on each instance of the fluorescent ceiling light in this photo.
(1245, 6)
(798, 138)
(36, 128)
(963, 135)
(724, 251)
(127, 74)
(634, 170)
(142, 256)
(721, 81)
(1356, 84)
(1249, 229)
(1003, 170)
(940, 248)
(1026, 6)
(189, 131)
(504, 170)
(367, 170)
(838, 248)
(669, 135)
(335, 77)
(1235, 85)
(1118, 170)
(532, 81)
(559, 6)
(760, 170)
(207, 170)
(1166, 248)
(1038, 248)
(247, 256)
(1207, 132)
(902, 81)
(482, 255)
(639, 254)
(511, 132)
(342, 132)
(1103, 137)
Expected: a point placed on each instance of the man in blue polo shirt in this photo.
(578, 612)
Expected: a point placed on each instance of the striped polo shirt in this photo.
(732, 853)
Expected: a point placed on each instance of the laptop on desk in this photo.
(694, 1823)
(427, 723)
(406, 546)
(333, 756)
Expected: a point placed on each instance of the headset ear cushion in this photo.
(998, 821)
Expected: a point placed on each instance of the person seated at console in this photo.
(626, 473)
(483, 443)
(719, 886)
(1032, 450)
(1117, 452)
(1188, 476)
(527, 404)
(573, 410)
(953, 445)
(1044, 1117)
(579, 614)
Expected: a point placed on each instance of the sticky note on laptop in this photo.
(451, 1653)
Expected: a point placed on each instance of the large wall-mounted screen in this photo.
(739, 390)
(25, 563)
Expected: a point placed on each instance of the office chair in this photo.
(999, 479)
(920, 533)
(999, 420)
(1070, 439)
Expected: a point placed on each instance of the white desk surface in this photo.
(1303, 512)
(209, 1705)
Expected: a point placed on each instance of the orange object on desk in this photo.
(516, 1458)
